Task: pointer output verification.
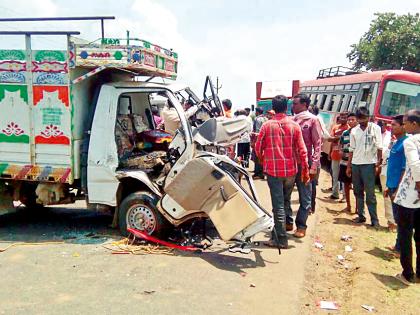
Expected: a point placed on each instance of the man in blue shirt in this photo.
(396, 166)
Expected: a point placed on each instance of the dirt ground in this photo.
(78, 276)
(365, 277)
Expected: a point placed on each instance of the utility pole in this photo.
(217, 85)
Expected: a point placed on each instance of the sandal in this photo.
(300, 233)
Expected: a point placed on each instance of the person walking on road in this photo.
(365, 156)
(281, 150)
(408, 200)
(312, 136)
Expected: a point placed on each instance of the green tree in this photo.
(392, 42)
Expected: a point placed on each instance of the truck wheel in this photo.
(28, 198)
(138, 210)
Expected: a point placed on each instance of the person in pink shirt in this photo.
(156, 117)
(312, 136)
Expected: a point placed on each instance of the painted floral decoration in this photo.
(13, 129)
(51, 131)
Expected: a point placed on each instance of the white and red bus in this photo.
(386, 93)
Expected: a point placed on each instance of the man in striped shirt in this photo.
(280, 148)
(344, 147)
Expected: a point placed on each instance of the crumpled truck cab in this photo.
(81, 125)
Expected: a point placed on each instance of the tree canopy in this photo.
(392, 42)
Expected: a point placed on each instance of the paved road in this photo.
(80, 277)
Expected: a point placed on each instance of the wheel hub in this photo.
(141, 218)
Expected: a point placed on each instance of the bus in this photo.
(267, 90)
(386, 93)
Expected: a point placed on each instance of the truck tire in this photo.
(138, 210)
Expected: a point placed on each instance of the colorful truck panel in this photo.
(41, 128)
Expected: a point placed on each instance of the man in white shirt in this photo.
(407, 200)
(244, 145)
(365, 157)
(386, 143)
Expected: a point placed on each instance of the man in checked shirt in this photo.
(312, 136)
(280, 147)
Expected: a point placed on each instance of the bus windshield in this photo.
(399, 97)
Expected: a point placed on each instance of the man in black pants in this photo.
(259, 121)
(244, 145)
(408, 200)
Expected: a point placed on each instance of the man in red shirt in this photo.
(280, 147)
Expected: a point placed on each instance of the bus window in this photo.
(331, 102)
(372, 99)
(312, 97)
(323, 99)
(317, 98)
(399, 97)
(352, 103)
(366, 93)
(338, 105)
(345, 103)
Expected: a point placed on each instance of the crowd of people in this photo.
(288, 149)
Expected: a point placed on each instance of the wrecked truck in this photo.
(78, 124)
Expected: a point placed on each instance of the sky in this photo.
(240, 42)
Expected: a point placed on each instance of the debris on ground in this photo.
(252, 285)
(126, 246)
(148, 292)
(328, 305)
(240, 248)
(346, 238)
(368, 307)
(140, 235)
(348, 248)
(340, 258)
(28, 244)
(318, 245)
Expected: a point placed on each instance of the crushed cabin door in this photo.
(202, 187)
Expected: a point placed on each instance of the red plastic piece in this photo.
(152, 239)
